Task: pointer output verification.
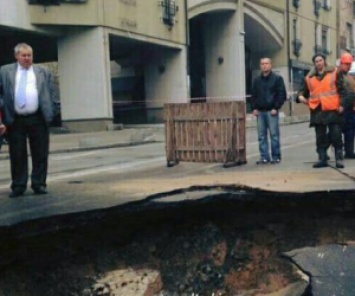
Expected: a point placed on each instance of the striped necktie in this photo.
(21, 92)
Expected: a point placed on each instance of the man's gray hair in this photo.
(266, 58)
(20, 46)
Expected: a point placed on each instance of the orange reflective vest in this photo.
(323, 92)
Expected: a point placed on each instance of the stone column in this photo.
(224, 48)
(165, 76)
(84, 78)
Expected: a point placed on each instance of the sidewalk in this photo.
(62, 141)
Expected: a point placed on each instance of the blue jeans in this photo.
(268, 122)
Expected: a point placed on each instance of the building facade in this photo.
(111, 54)
(289, 32)
(119, 61)
(346, 13)
(216, 49)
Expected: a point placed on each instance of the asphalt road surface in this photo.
(297, 143)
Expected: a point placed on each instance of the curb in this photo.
(6, 156)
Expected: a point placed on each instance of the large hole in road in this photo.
(230, 243)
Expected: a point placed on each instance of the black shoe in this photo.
(339, 164)
(16, 193)
(40, 190)
(320, 164)
(276, 161)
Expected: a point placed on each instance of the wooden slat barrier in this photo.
(206, 132)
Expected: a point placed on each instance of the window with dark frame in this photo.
(297, 43)
(324, 44)
(317, 38)
(327, 4)
(349, 36)
(296, 3)
(317, 7)
(169, 11)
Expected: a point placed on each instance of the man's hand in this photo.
(2, 129)
(255, 112)
(303, 100)
(273, 112)
(341, 109)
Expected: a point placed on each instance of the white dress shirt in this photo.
(31, 92)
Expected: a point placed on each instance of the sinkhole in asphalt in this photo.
(233, 241)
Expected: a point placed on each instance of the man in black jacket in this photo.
(268, 96)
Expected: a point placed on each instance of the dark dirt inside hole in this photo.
(229, 244)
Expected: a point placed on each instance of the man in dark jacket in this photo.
(348, 97)
(268, 96)
(322, 93)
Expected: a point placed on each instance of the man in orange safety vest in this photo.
(321, 92)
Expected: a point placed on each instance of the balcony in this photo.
(64, 12)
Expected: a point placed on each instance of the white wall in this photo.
(84, 75)
(15, 13)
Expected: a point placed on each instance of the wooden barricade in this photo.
(206, 132)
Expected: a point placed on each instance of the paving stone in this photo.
(331, 268)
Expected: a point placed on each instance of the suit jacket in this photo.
(47, 92)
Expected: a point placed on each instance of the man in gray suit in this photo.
(29, 98)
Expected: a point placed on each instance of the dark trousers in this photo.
(349, 131)
(35, 129)
(328, 134)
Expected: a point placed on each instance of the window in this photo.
(298, 75)
(318, 39)
(317, 6)
(322, 38)
(327, 4)
(169, 11)
(296, 28)
(349, 36)
(296, 3)
(325, 39)
(297, 43)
